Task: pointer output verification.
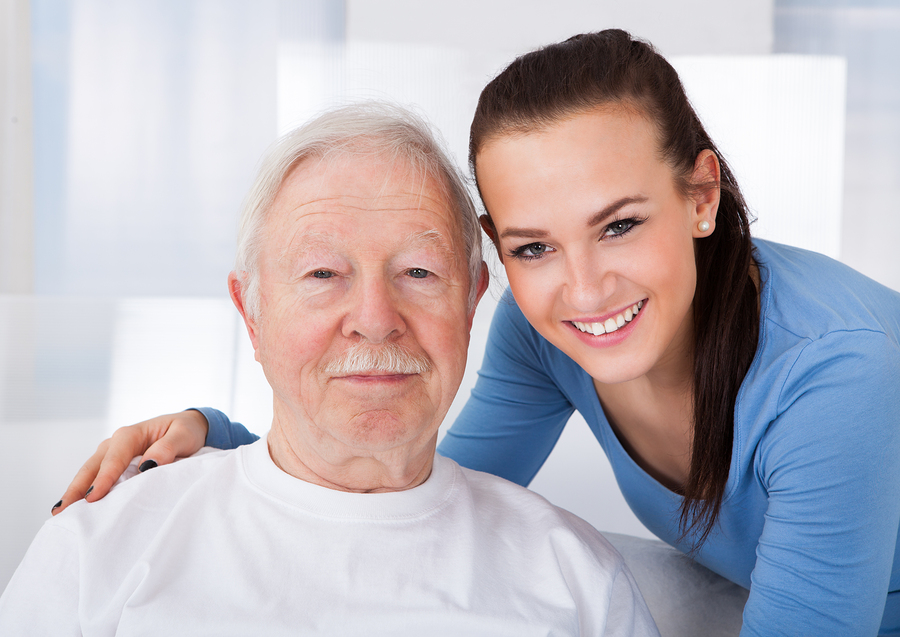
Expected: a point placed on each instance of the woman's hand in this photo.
(160, 440)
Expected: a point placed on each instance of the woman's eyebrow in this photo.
(528, 233)
(614, 207)
(598, 218)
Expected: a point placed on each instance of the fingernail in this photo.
(147, 464)
(88, 492)
(56, 506)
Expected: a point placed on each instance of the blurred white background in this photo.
(130, 131)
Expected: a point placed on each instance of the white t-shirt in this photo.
(228, 544)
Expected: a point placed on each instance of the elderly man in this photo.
(342, 521)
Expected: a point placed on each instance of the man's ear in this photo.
(705, 180)
(487, 224)
(237, 283)
(484, 278)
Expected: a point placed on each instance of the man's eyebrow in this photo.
(431, 242)
(598, 218)
(431, 238)
(308, 241)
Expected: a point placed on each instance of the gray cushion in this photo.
(685, 598)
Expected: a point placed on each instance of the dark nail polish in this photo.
(147, 464)
(56, 506)
(88, 492)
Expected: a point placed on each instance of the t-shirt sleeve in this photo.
(607, 596)
(628, 615)
(516, 412)
(223, 433)
(43, 595)
(830, 463)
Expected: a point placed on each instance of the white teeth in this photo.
(591, 328)
(610, 324)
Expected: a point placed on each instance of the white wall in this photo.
(510, 27)
(866, 34)
(16, 203)
(482, 36)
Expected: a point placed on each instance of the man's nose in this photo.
(588, 284)
(374, 311)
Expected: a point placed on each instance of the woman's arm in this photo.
(160, 441)
(223, 433)
(831, 465)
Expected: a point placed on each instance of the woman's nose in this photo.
(588, 285)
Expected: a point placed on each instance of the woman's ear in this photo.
(487, 225)
(705, 180)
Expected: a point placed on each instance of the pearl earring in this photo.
(703, 226)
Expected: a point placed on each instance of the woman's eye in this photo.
(322, 274)
(418, 273)
(621, 227)
(530, 251)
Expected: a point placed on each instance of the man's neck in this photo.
(395, 470)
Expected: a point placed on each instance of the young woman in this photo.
(747, 393)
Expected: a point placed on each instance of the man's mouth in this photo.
(612, 323)
(374, 374)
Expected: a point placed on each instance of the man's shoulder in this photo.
(183, 469)
(511, 510)
(151, 494)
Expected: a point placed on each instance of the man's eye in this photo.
(322, 274)
(418, 273)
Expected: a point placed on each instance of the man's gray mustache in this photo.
(389, 358)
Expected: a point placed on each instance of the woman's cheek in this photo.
(534, 292)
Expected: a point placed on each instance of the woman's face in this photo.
(591, 227)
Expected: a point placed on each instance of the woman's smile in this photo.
(609, 331)
(600, 326)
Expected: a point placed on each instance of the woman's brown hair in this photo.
(611, 68)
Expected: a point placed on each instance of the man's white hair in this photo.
(386, 132)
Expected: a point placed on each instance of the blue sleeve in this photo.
(516, 412)
(224, 434)
(830, 463)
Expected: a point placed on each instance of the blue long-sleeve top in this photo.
(811, 513)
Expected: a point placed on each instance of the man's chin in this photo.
(383, 430)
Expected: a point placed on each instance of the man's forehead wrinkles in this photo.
(380, 202)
